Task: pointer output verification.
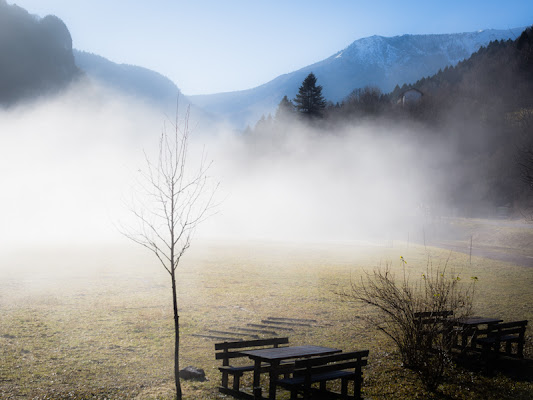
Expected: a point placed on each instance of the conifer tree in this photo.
(309, 100)
(285, 108)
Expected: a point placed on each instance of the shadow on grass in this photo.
(519, 370)
(468, 380)
(508, 379)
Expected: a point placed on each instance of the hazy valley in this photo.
(304, 205)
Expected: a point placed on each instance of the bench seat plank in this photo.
(505, 338)
(326, 376)
(232, 370)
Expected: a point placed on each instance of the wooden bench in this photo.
(434, 321)
(427, 317)
(227, 351)
(344, 366)
(433, 324)
(505, 333)
(469, 329)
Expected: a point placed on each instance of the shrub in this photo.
(414, 314)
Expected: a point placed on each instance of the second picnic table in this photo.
(274, 356)
(470, 328)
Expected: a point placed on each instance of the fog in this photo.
(64, 163)
(310, 185)
(69, 165)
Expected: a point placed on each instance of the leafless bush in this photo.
(416, 314)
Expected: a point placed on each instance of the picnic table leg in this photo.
(274, 373)
(475, 333)
(473, 338)
(257, 383)
(465, 333)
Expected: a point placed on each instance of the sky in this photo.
(212, 46)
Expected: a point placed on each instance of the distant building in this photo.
(410, 96)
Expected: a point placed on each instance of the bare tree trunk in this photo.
(177, 340)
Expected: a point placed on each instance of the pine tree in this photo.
(285, 109)
(309, 100)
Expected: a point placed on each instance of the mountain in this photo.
(36, 55)
(142, 84)
(378, 61)
(131, 80)
(497, 79)
(37, 58)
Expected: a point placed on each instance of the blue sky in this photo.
(210, 46)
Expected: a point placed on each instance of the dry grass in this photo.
(96, 322)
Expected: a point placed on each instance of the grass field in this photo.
(95, 322)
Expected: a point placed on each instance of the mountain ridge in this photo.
(134, 80)
(409, 58)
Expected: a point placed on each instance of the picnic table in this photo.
(274, 356)
(472, 327)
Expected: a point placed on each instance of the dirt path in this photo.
(494, 253)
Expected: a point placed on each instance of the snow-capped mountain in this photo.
(377, 61)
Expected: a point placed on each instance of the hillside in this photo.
(486, 103)
(379, 61)
(131, 80)
(36, 55)
(140, 83)
(498, 78)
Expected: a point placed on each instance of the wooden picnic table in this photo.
(274, 356)
(470, 327)
(475, 321)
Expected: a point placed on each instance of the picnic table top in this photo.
(284, 353)
(473, 321)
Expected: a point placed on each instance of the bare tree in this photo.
(171, 202)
